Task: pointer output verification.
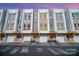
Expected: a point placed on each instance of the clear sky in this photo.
(38, 5)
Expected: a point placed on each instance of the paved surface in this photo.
(40, 50)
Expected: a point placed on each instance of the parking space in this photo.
(24, 50)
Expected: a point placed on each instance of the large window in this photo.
(43, 21)
(10, 21)
(76, 20)
(27, 21)
(59, 19)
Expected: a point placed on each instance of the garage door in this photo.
(76, 38)
(26, 38)
(10, 38)
(60, 38)
(43, 39)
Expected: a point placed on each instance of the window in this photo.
(76, 15)
(60, 24)
(27, 21)
(45, 26)
(24, 26)
(29, 26)
(19, 27)
(10, 21)
(43, 21)
(51, 26)
(76, 20)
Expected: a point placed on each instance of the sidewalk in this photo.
(42, 44)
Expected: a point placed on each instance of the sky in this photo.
(38, 5)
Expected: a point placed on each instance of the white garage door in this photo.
(27, 38)
(43, 39)
(10, 38)
(76, 38)
(60, 38)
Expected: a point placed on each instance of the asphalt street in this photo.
(39, 50)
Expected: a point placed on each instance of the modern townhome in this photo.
(60, 23)
(2, 20)
(10, 25)
(43, 24)
(27, 24)
(74, 18)
(39, 26)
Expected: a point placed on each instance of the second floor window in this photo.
(59, 20)
(10, 21)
